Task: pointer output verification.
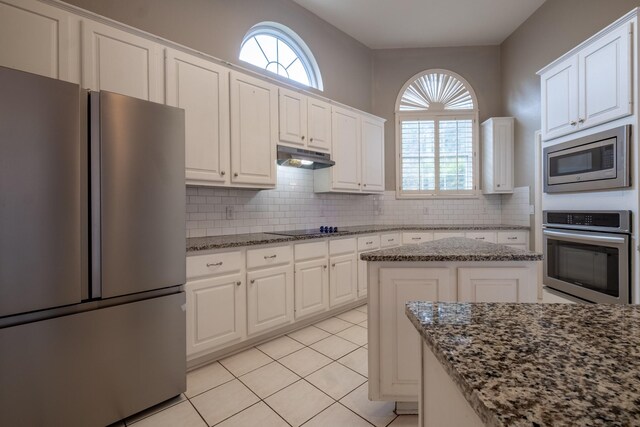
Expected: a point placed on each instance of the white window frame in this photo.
(471, 114)
(295, 42)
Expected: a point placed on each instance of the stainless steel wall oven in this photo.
(587, 254)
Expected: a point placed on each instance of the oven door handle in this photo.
(585, 237)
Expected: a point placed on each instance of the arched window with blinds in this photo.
(437, 136)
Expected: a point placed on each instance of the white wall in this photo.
(294, 205)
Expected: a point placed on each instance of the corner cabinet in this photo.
(590, 85)
(358, 150)
(497, 155)
(201, 88)
(254, 131)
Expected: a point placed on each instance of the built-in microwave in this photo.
(595, 162)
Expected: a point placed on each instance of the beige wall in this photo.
(556, 27)
(217, 27)
(479, 65)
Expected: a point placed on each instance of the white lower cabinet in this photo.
(311, 287)
(399, 340)
(343, 278)
(365, 244)
(216, 302)
(496, 285)
(216, 312)
(269, 298)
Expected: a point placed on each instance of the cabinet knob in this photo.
(238, 283)
(303, 137)
(311, 139)
(325, 267)
(235, 174)
(222, 173)
(573, 123)
(252, 281)
(581, 121)
(333, 265)
(358, 183)
(498, 185)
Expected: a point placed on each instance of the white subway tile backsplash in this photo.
(294, 205)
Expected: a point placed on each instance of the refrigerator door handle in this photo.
(94, 147)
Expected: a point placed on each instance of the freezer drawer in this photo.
(95, 367)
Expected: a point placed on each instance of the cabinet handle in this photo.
(235, 174)
(222, 173)
(369, 243)
(325, 267)
(512, 238)
(580, 121)
(311, 139)
(270, 257)
(573, 123)
(303, 137)
(252, 281)
(391, 240)
(238, 283)
(215, 264)
(479, 238)
(333, 265)
(416, 238)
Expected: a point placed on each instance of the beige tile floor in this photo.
(316, 376)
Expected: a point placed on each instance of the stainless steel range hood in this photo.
(301, 158)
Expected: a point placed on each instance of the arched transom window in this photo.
(437, 136)
(278, 49)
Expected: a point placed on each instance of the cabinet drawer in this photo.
(522, 247)
(512, 237)
(368, 243)
(483, 236)
(389, 240)
(213, 264)
(342, 246)
(313, 250)
(446, 234)
(413, 238)
(257, 258)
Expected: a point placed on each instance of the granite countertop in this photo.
(539, 364)
(195, 244)
(452, 249)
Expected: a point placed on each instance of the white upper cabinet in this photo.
(118, 61)
(497, 155)
(254, 131)
(358, 150)
(605, 78)
(591, 85)
(318, 125)
(304, 122)
(201, 88)
(38, 38)
(372, 155)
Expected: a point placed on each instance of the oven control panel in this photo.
(616, 221)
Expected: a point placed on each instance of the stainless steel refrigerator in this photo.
(92, 253)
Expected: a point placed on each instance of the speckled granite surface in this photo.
(235, 240)
(539, 364)
(452, 249)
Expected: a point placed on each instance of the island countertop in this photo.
(538, 364)
(452, 249)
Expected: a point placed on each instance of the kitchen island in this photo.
(452, 269)
(528, 364)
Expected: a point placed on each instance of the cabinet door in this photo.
(496, 285)
(36, 38)
(372, 155)
(319, 125)
(605, 78)
(503, 155)
(254, 131)
(293, 118)
(269, 298)
(560, 99)
(343, 279)
(215, 312)
(311, 287)
(120, 62)
(201, 88)
(399, 340)
(345, 133)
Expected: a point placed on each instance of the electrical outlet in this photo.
(231, 214)
(532, 209)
